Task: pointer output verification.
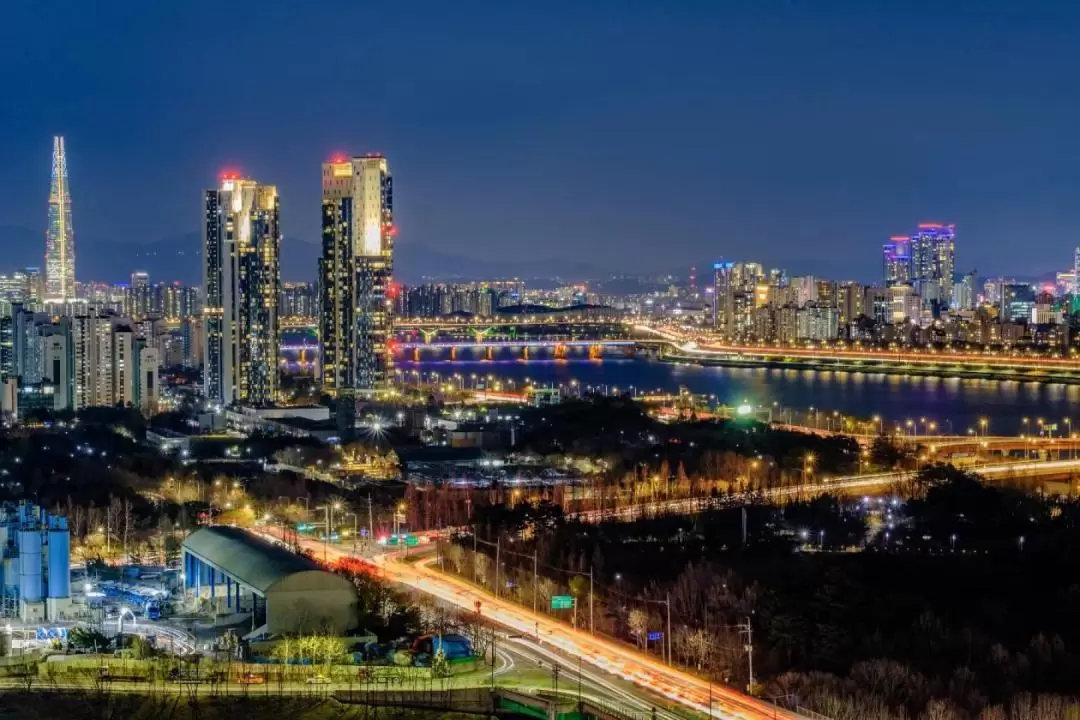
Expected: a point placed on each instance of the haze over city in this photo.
(576, 137)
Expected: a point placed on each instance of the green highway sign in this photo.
(411, 541)
(562, 602)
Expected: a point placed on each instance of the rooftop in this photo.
(255, 562)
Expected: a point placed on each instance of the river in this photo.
(955, 405)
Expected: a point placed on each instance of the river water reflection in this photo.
(955, 404)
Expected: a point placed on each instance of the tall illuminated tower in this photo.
(59, 237)
(241, 280)
(355, 273)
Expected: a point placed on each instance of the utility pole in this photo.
(326, 537)
(591, 629)
(749, 630)
(667, 635)
(536, 583)
(492, 656)
(370, 520)
(498, 549)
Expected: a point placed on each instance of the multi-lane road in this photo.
(1014, 470)
(542, 634)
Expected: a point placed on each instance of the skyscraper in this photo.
(933, 260)
(241, 281)
(723, 295)
(355, 273)
(140, 294)
(896, 260)
(59, 238)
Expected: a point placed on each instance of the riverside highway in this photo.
(623, 662)
(1034, 469)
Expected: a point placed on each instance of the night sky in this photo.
(629, 136)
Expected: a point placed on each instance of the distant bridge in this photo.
(515, 344)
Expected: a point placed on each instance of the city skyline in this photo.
(925, 258)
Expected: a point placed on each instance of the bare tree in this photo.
(940, 710)
(125, 519)
(700, 645)
(638, 620)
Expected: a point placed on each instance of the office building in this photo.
(59, 237)
(1017, 302)
(241, 282)
(905, 304)
(355, 275)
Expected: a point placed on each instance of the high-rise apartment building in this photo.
(851, 299)
(103, 361)
(355, 273)
(60, 237)
(298, 300)
(241, 282)
(965, 292)
(896, 260)
(22, 286)
(933, 261)
(140, 294)
(723, 295)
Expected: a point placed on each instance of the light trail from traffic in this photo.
(1026, 469)
(647, 672)
(623, 662)
(927, 357)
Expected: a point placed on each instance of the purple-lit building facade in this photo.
(896, 260)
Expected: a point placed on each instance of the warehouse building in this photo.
(288, 593)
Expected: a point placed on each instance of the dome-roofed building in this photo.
(289, 593)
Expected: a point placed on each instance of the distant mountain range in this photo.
(177, 258)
